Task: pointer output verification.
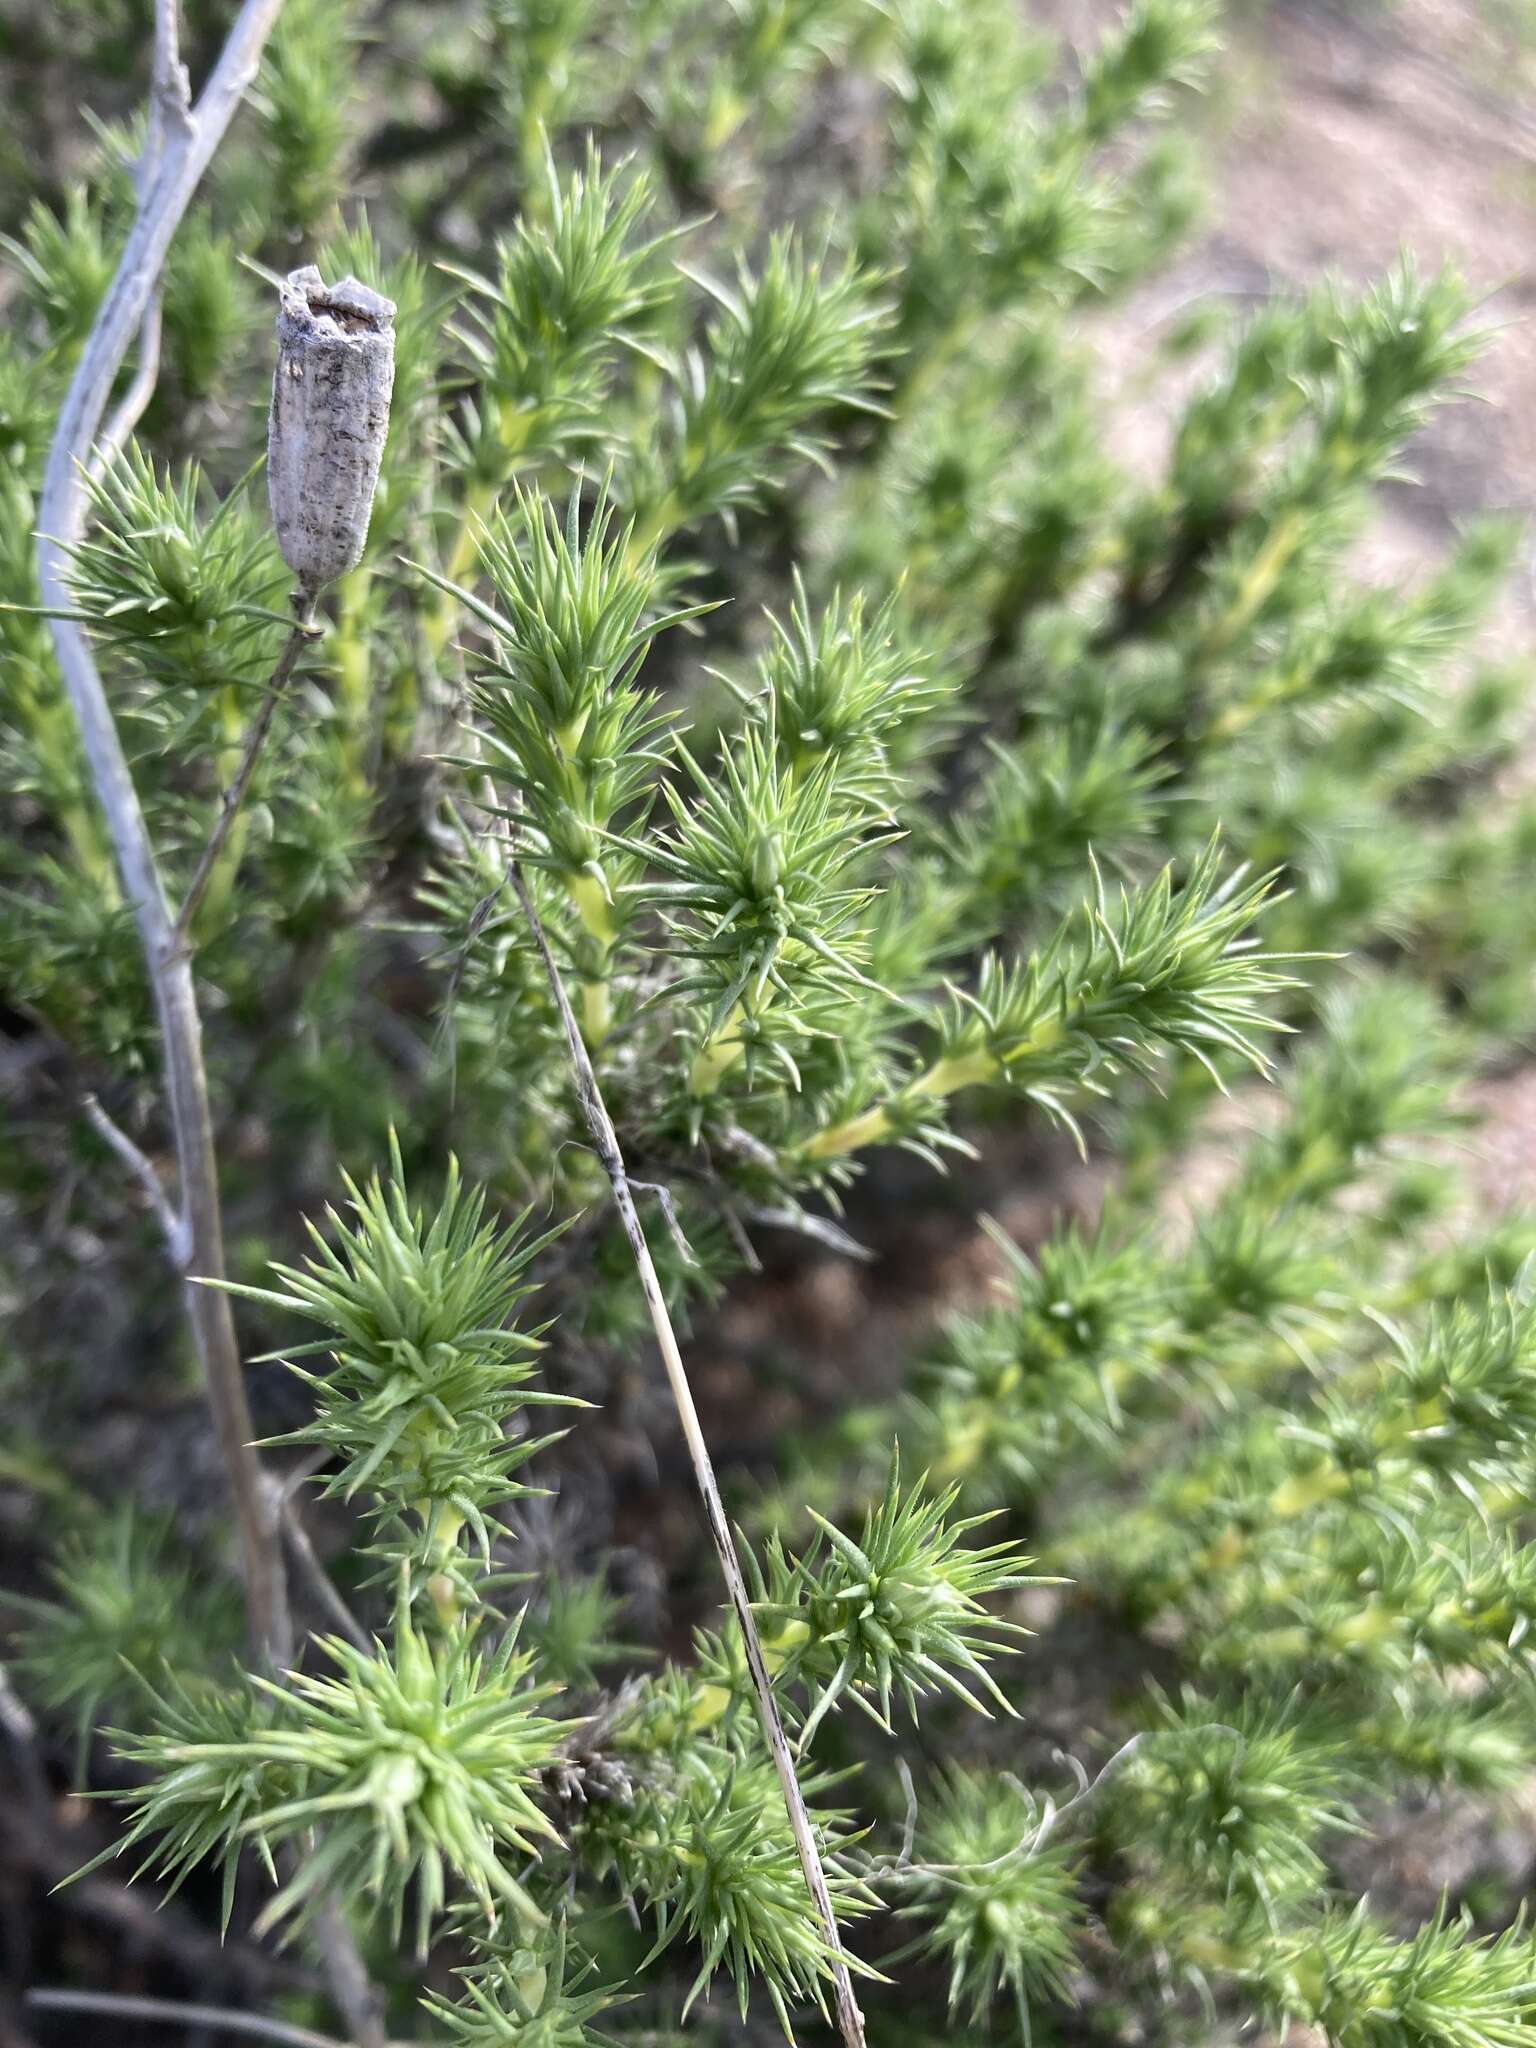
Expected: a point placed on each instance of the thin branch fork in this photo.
(606, 1143)
(172, 1225)
(307, 1558)
(170, 100)
(20, 1732)
(186, 147)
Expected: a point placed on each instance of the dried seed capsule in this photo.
(330, 413)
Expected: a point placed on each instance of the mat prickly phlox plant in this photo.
(613, 756)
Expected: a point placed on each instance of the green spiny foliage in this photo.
(419, 1762)
(575, 287)
(184, 599)
(1000, 1903)
(425, 1378)
(536, 1996)
(708, 1852)
(889, 769)
(1241, 1811)
(303, 94)
(898, 1607)
(63, 264)
(1349, 1977)
(127, 1614)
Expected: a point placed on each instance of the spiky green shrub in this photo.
(754, 595)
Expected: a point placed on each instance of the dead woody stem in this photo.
(183, 139)
(190, 137)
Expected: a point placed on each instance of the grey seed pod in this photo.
(330, 413)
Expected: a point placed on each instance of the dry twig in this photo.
(144, 1171)
(183, 139)
(113, 2006)
(189, 139)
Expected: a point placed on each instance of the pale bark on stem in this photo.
(147, 1175)
(187, 146)
(605, 1141)
(170, 98)
(352, 1990)
(114, 2005)
(20, 1732)
(130, 409)
(187, 139)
